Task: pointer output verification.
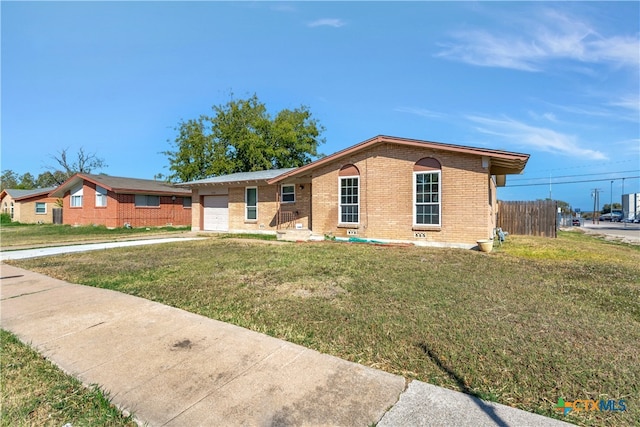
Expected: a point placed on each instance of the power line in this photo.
(573, 176)
(587, 165)
(574, 182)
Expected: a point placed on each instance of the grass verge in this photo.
(35, 392)
(536, 320)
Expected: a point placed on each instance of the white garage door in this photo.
(216, 213)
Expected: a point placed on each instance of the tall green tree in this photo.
(9, 179)
(607, 207)
(241, 136)
(51, 179)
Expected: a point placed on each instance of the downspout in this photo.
(278, 205)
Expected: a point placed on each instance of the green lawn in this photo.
(16, 236)
(536, 320)
(37, 393)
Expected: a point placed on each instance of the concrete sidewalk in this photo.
(174, 368)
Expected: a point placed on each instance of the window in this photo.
(144, 201)
(251, 200)
(288, 194)
(349, 197)
(11, 210)
(186, 202)
(427, 198)
(101, 196)
(427, 192)
(76, 197)
(349, 205)
(41, 208)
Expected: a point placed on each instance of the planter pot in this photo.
(485, 245)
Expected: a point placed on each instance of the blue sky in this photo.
(557, 80)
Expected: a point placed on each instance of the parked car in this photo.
(575, 222)
(613, 217)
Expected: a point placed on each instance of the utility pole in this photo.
(611, 203)
(595, 193)
(624, 214)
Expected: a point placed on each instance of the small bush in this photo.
(5, 218)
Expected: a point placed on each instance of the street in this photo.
(629, 233)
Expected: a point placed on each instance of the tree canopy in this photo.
(68, 165)
(241, 136)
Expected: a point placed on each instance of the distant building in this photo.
(28, 206)
(631, 205)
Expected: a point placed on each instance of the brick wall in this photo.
(24, 211)
(121, 209)
(386, 196)
(268, 207)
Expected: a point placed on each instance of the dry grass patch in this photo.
(536, 320)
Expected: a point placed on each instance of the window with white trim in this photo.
(349, 200)
(101, 197)
(147, 201)
(251, 203)
(76, 197)
(426, 198)
(288, 194)
(41, 208)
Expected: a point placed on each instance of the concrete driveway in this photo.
(57, 250)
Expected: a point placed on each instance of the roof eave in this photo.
(517, 160)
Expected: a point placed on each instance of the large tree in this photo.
(9, 179)
(69, 165)
(241, 136)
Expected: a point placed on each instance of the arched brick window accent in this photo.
(349, 196)
(427, 164)
(349, 170)
(427, 191)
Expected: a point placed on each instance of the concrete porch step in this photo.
(294, 235)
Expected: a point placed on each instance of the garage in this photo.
(216, 213)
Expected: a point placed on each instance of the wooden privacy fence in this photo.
(537, 218)
(57, 215)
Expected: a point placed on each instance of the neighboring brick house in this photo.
(117, 202)
(386, 188)
(28, 206)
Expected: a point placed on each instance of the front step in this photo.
(292, 235)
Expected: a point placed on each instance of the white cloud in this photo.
(420, 112)
(549, 36)
(535, 137)
(544, 116)
(283, 7)
(630, 102)
(327, 22)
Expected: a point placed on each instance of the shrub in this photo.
(5, 218)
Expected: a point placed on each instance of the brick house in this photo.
(386, 188)
(28, 206)
(116, 202)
